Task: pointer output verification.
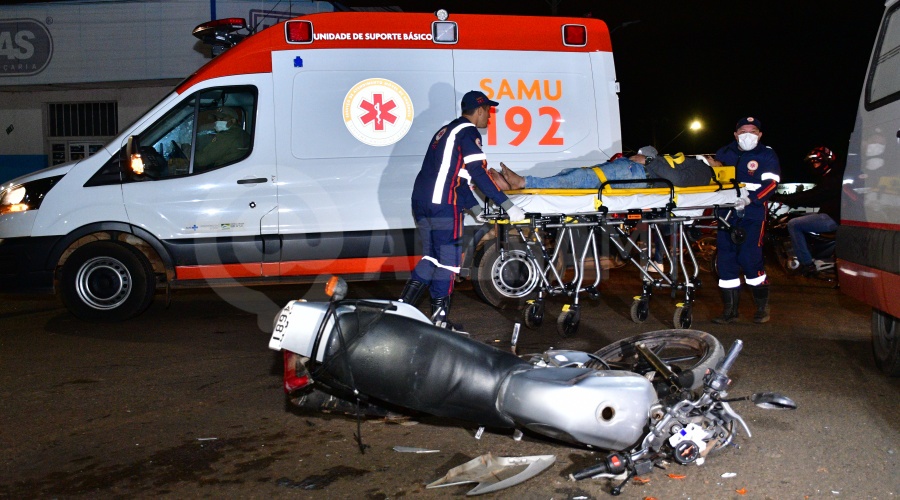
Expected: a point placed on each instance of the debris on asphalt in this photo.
(729, 474)
(409, 449)
(494, 473)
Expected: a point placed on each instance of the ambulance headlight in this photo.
(28, 196)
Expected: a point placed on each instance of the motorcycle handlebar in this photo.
(731, 357)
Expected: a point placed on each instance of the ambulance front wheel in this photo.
(107, 281)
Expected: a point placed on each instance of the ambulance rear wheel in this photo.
(107, 281)
(504, 281)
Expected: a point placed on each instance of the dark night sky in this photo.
(797, 65)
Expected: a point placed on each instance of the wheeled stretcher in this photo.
(563, 228)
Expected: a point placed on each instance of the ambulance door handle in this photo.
(255, 180)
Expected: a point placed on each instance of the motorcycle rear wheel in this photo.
(689, 353)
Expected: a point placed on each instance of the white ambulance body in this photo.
(336, 111)
(868, 239)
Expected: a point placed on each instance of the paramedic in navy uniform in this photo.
(441, 194)
(757, 167)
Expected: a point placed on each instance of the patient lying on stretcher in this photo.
(681, 171)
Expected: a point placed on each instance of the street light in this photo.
(694, 126)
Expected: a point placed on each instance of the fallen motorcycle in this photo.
(659, 396)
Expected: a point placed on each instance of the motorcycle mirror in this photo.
(336, 288)
(773, 401)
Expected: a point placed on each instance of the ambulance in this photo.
(321, 123)
(868, 239)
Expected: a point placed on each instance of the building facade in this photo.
(73, 73)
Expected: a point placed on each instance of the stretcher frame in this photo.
(556, 236)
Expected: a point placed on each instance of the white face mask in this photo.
(748, 141)
(221, 125)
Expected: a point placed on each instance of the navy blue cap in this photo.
(476, 99)
(749, 121)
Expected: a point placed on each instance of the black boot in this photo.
(731, 298)
(412, 292)
(440, 311)
(761, 298)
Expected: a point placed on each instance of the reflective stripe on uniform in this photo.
(475, 157)
(735, 283)
(438, 264)
(769, 176)
(759, 280)
(445, 162)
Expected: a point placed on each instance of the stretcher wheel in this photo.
(682, 317)
(567, 323)
(534, 314)
(640, 310)
(738, 235)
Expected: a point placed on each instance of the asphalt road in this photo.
(186, 401)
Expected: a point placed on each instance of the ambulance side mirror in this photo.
(135, 162)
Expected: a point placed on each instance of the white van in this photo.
(868, 239)
(331, 114)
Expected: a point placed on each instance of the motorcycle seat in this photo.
(417, 365)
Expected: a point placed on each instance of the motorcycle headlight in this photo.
(28, 196)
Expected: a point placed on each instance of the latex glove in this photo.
(741, 203)
(516, 214)
(480, 218)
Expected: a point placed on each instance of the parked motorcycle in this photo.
(658, 396)
(821, 245)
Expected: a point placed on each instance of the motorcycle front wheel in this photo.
(689, 353)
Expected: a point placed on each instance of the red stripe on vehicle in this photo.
(871, 225)
(362, 265)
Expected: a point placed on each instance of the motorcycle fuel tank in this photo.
(608, 409)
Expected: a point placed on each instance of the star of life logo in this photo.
(378, 112)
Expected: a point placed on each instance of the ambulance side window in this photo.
(206, 131)
(884, 86)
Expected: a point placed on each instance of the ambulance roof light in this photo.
(298, 31)
(444, 32)
(574, 35)
(221, 33)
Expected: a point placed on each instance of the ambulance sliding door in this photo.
(355, 125)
